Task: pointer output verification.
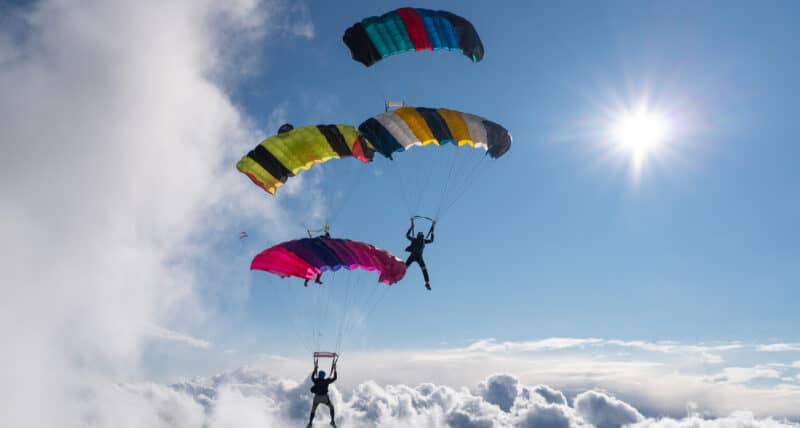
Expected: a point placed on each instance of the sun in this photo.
(640, 134)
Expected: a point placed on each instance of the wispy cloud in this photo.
(491, 345)
(745, 374)
(166, 334)
(779, 347)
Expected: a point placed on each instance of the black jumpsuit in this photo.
(320, 390)
(416, 247)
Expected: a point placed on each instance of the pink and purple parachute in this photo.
(305, 258)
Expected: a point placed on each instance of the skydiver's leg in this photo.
(410, 259)
(313, 411)
(319, 278)
(422, 266)
(330, 406)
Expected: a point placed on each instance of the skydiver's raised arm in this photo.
(335, 376)
(410, 233)
(429, 238)
(314, 372)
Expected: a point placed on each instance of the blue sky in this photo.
(556, 238)
(666, 290)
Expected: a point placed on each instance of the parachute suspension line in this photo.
(342, 317)
(328, 292)
(424, 185)
(352, 315)
(302, 338)
(355, 181)
(470, 178)
(319, 308)
(447, 183)
(419, 186)
(453, 162)
(323, 300)
(348, 318)
(375, 304)
(370, 303)
(315, 319)
(372, 77)
(403, 186)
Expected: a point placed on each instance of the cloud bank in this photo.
(251, 397)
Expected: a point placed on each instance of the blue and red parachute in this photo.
(411, 29)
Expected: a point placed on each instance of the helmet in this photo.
(420, 235)
(321, 374)
(286, 127)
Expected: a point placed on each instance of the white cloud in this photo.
(740, 419)
(549, 416)
(118, 143)
(707, 353)
(166, 334)
(550, 395)
(779, 347)
(249, 397)
(604, 411)
(500, 390)
(491, 345)
(662, 384)
(745, 374)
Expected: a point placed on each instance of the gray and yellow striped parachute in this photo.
(401, 129)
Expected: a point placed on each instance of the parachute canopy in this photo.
(281, 156)
(305, 258)
(405, 127)
(410, 29)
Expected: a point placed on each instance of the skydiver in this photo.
(326, 235)
(320, 390)
(416, 247)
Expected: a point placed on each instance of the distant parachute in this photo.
(411, 29)
(281, 156)
(305, 258)
(401, 129)
(243, 235)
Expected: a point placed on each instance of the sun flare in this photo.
(639, 134)
(640, 131)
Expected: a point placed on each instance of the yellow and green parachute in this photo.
(281, 156)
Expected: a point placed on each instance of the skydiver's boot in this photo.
(428, 286)
(333, 424)
(305, 284)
